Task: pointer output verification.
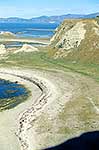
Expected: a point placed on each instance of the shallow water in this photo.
(11, 89)
(30, 29)
(11, 94)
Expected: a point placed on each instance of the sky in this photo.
(34, 8)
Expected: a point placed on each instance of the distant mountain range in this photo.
(47, 19)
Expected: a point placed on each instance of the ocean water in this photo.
(30, 29)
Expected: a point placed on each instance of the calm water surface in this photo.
(11, 89)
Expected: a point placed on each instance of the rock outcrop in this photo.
(7, 34)
(2, 49)
(71, 36)
(77, 38)
(27, 48)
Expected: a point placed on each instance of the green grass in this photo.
(88, 69)
(42, 60)
(30, 60)
(85, 119)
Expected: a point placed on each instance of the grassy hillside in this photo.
(84, 50)
(83, 58)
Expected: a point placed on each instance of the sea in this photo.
(30, 29)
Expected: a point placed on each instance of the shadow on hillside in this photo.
(87, 141)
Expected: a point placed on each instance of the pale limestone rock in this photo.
(27, 48)
(2, 49)
(7, 33)
(73, 37)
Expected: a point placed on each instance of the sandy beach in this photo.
(14, 129)
(26, 40)
(21, 127)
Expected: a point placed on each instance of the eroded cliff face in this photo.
(71, 36)
(76, 36)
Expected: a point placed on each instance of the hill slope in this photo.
(77, 39)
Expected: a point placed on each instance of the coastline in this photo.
(26, 40)
(8, 126)
(28, 111)
(43, 120)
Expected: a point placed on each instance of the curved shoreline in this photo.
(29, 115)
(36, 122)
